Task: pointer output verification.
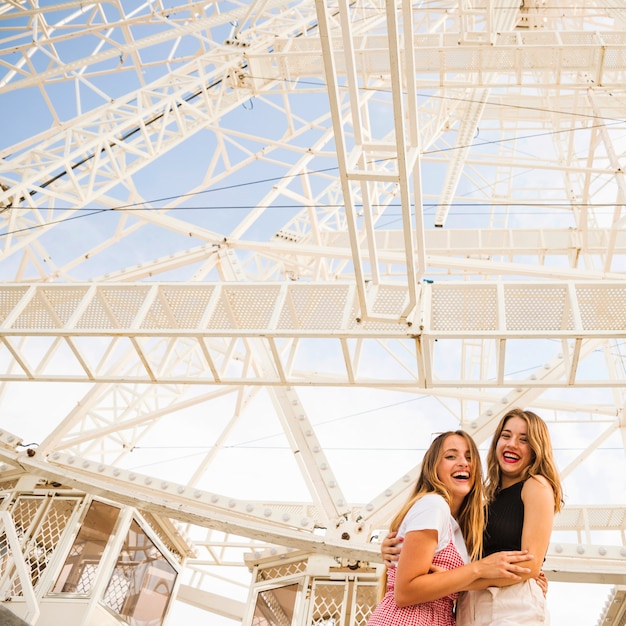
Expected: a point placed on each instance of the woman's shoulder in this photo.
(433, 501)
(536, 485)
(430, 511)
(536, 479)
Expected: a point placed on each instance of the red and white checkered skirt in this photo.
(436, 613)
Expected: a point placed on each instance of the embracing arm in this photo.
(538, 499)
(414, 583)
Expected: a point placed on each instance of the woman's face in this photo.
(454, 469)
(513, 452)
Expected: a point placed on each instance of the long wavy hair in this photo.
(471, 516)
(542, 462)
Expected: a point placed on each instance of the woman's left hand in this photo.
(542, 581)
(390, 549)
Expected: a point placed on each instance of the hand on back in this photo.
(504, 564)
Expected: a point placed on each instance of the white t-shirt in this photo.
(433, 513)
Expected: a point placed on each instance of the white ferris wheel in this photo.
(255, 253)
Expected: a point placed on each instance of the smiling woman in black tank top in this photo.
(523, 493)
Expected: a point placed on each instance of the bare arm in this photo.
(414, 583)
(538, 499)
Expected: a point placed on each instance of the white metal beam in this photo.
(209, 318)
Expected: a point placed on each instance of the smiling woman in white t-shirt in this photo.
(441, 525)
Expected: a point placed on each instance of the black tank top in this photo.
(505, 518)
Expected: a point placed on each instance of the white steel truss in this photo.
(229, 225)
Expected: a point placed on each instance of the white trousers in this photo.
(522, 604)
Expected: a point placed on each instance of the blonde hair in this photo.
(471, 517)
(542, 462)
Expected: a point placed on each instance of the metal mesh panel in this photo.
(183, 305)
(614, 58)
(390, 300)
(5, 556)
(316, 308)
(119, 588)
(95, 315)
(364, 603)
(124, 304)
(507, 61)
(117, 306)
(63, 302)
(48, 535)
(279, 571)
(36, 315)
(9, 299)
(272, 607)
(607, 518)
(328, 603)
(142, 583)
(469, 309)
(23, 512)
(522, 311)
(244, 307)
(250, 307)
(39, 539)
(602, 308)
(87, 578)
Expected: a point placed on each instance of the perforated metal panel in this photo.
(40, 523)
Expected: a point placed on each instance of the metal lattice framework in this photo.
(295, 238)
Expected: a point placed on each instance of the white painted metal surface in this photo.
(226, 222)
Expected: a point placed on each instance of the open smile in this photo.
(510, 457)
(463, 476)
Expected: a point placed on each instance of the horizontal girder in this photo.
(207, 321)
(522, 57)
